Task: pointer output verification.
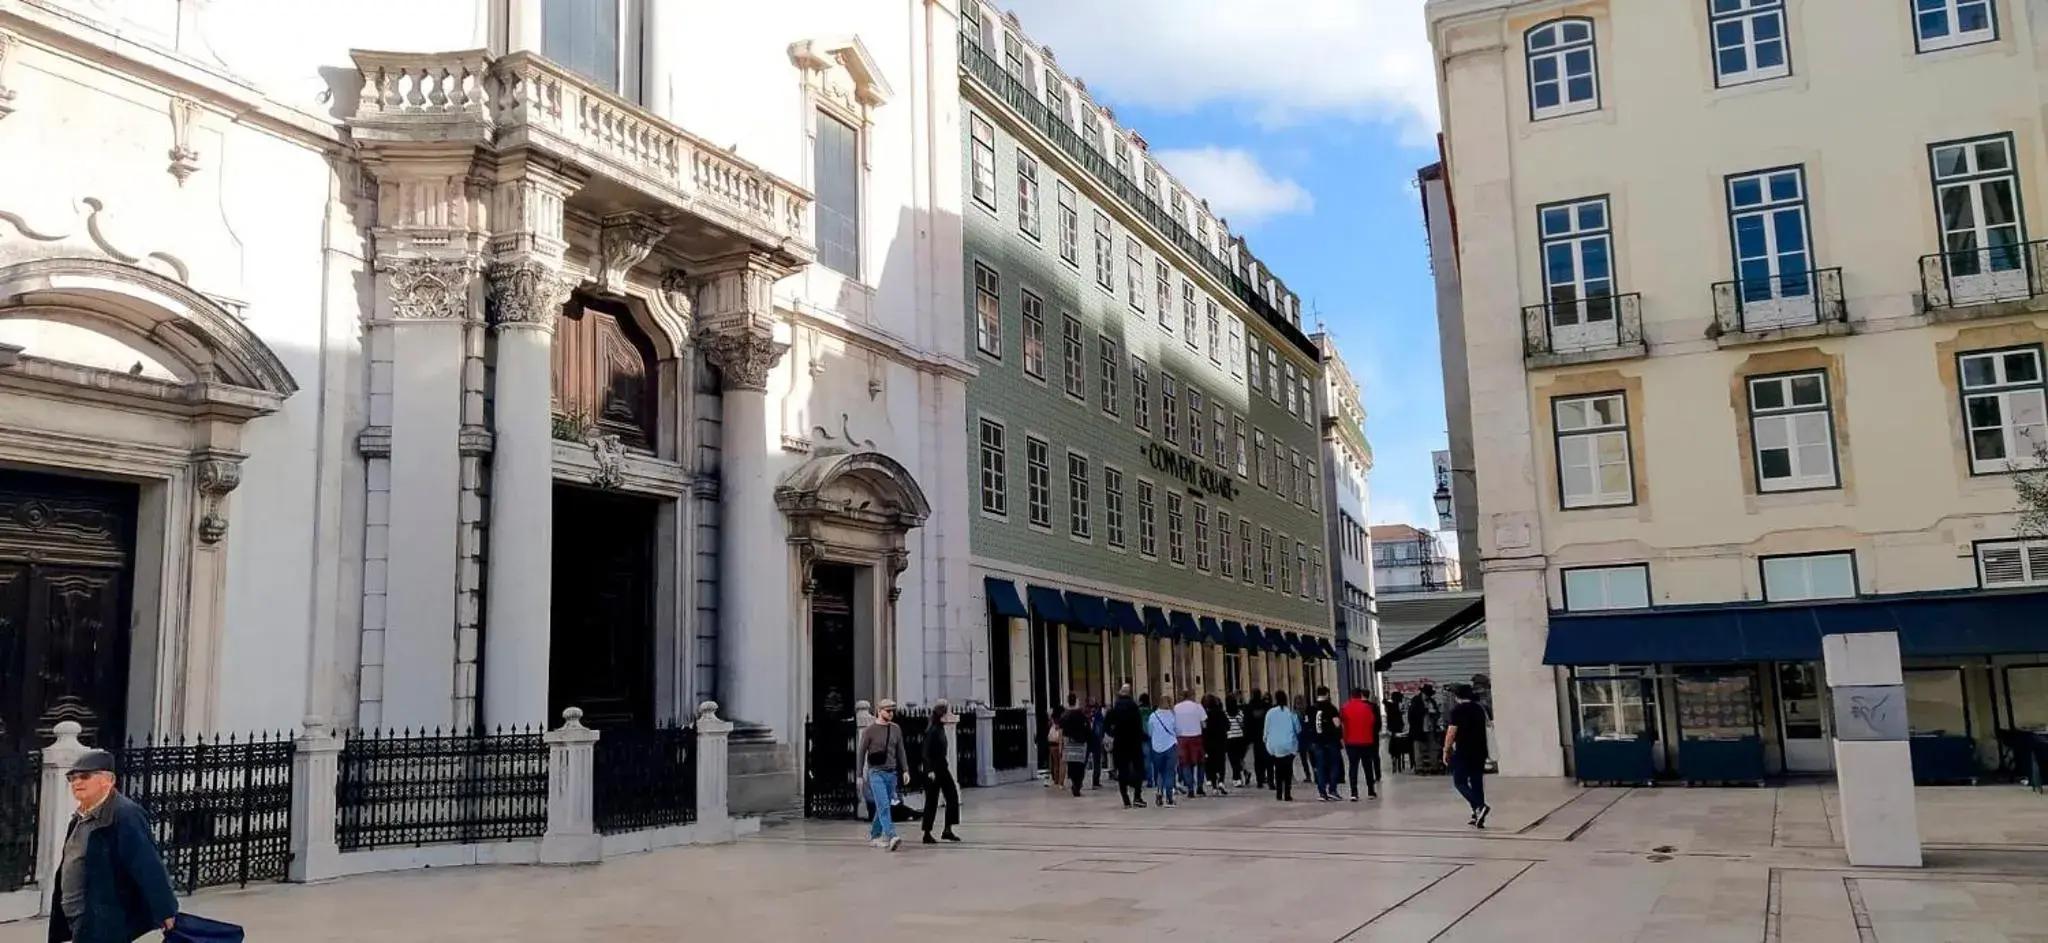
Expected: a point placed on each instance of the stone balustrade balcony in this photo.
(635, 161)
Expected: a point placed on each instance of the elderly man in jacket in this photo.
(111, 884)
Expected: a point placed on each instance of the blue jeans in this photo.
(882, 791)
(1329, 768)
(1164, 765)
(1469, 777)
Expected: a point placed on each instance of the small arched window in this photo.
(1564, 74)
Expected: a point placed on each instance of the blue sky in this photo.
(1305, 129)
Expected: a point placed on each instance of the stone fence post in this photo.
(55, 809)
(316, 770)
(713, 736)
(572, 820)
(984, 734)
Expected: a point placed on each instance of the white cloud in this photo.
(1285, 62)
(1237, 188)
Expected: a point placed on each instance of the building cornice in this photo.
(869, 337)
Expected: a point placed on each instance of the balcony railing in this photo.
(522, 98)
(1019, 97)
(1584, 325)
(2013, 272)
(1780, 301)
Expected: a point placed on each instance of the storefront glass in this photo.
(2027, 694)
(1934, 702)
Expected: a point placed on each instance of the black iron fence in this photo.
(966, 751)
(407, 789)
(829, 768)
(221, 808)
(21, 778)
(1012, 746)
(645, 778)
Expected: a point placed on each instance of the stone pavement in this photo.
(1559, 863)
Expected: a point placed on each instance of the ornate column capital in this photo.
(526, 294)
(743, 357)
(737, 292)
(429, 288)
(215, 473)
(624, 240)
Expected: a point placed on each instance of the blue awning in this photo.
(1929, 625)
(1329, 649)
(1254, 637)
(1049, 604)
(1088, 611)
(1124, 617)
(1292, 643)
(1276, 642)
(1211, 630)
(1184, 626)
(1155, 619)
(1002, 597)
(1233, 634)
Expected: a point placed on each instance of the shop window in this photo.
(1934, 702)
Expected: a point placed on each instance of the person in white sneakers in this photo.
(881, 747)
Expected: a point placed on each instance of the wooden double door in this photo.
(67, 549)
(601, 645)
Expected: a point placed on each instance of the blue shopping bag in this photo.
(192, 928)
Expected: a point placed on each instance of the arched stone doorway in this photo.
(123, 396)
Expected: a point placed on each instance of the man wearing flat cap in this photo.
(111, 884)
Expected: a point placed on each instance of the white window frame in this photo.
(1027, 195)
(1578, 234)
(1259, 454)
(1033, 334)
(1273, 374)
(988, 311)
(1266, 574)
(1111, 364)
(1983, 260)
(1301, 573)
(1226, 560)
(1238, 434)
(1293, 391)
(2025, 560)
(1197, 415)
(1148, 519)
(1752, 29)
(1070, 223)
(1188, 321)
(1561, 53)
(1169, 408)
(995, 468)
(1105, 249)
(1202, 555)
(1113, 507)
(1244, 549)
(1141, 397)
(1605, 588)
(1038, 482)
(1986, 379)
(1220, 436)
(1774, 282)
(1176, 528)
(981, 158)
(1803, 400)
(1162, 292)
(1236, 348)
(1924, 13)
(1074, 368)
(1252, 346)
(1215, 331)
(1286, 582)
(1572, 435)
(1080, 521)
(1795, 574)
(1134, 271)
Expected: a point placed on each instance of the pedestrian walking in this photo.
(1075, 730)
(1423, 730)
(1125, 725)
(938, 777)
(1397, 732)
(1215, 742)
(1255, 724)
(1361, 742)
(1324, 724)
(1283, 732)
(111, 886)
(1188, 719)
(1164, 738)
(1056, 750)
(881, 746)
(1303, 753)
(1096, 755)
(1145, 710)
(1235, 740)
(1465, 752)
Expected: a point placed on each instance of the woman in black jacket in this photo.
(1255, 724)
(938, 777)
(1215, 743)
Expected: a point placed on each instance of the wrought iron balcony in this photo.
(1753, 305)
(1600, 327)
(524, 100)
(1969, 277)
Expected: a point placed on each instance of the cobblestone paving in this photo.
(1559, 863)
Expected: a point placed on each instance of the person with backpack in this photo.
(881, 746)
(1324, 734)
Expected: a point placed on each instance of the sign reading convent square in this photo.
(1197, 474)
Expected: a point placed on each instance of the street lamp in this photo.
(1443, 500)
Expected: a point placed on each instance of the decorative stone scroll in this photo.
(215, 475)
(527, 294)
(8, 41)
(743, 357)
(624, 241)
(429, 289)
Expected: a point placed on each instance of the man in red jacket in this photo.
(1361, 742)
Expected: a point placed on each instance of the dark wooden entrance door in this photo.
(66, 551)
(832, 657)
(601, 637)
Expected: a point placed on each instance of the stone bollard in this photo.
(713, 735)
(57, 806)
(572, 836)
(316, 768)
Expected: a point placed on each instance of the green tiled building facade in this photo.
(1144, 426)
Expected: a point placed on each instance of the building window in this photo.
(836, 156)
(1266, 557)
(1809, 576)
(1038, 480)
(1027, 194)
(1226, 561)
(1176, 530)
(1315, 579)
(1034, 336)
(1946, 24)
(1201, 537)
(1592, 451)
(1308, 408)
(1179, 202)
(1244, 547)
(1216, 428)
(1792, 431)
(2012, 563)
(982, 155)
(995, 469)
(1977, 198)
(1767, 222)
(1293, 389)
(1286, 585)
(1070, 223)
(1563, 69)
(1236, 348)
(1148, 521)
(1075, 367)
(2005, 405)
(1169, 410)
(1141, 397)
(1237, 436)
(1596, 588)
(970, 22)
(1134, 272)
(1259, 453)
(586, 37)
(1196, 439)
(1123, 157)
(1215, 332)
(1295, 480)
(1056, 96)
(1749, 40)
(1301, 569)
(1152, 183)
(1013, 59)
(1079, 522)
(1272, 374)
(1578, 273)
(1187, 310)
(1112, 365)
(1252, 345)
(1104, 270)
(1113, 506)
(988, 311)
(1315, 491)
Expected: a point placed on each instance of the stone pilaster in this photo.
(713, 737)
(316, 765)
(572, 836)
